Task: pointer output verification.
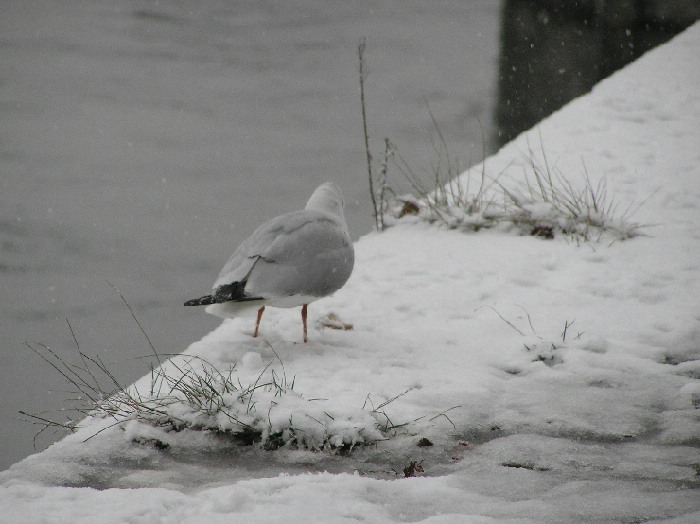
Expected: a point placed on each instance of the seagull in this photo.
(289, 261)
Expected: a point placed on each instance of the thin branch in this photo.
(363, 74)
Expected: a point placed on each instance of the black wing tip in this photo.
(202, 301)
(230, 292)
(234, 292)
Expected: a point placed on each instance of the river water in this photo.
(141, 141)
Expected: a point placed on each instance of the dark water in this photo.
(141, 141)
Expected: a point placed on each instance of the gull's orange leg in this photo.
(303, 320)
(257, 322)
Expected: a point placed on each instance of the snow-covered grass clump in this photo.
(256, 404)
(267, 410)
(543, 201)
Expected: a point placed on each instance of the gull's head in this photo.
(327, 197)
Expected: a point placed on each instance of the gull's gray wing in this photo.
(306, 252)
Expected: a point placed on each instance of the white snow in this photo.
(528, 424)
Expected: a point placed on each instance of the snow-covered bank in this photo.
(557, 382)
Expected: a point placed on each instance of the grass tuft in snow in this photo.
(545, 350)
(187, 392)
(545, 202)
(548, 203)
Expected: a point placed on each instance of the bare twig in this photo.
(383, 184)
(363, 75)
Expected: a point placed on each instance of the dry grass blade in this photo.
(138, 323)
